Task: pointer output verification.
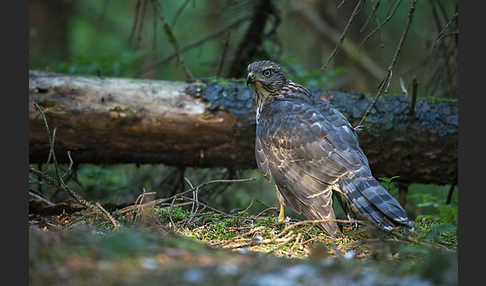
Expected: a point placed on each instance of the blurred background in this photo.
(219, 38)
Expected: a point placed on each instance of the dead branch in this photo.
(253, 38)
(59, 180)
(179, 12)
(135, 21)
(173, 41)
(223, 55)
(380, 26)
(115, 223)
(190, 46)
(387, 79)
(352, 51)
(116, 120)
(355, 12)
(372, 15)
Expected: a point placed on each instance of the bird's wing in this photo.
(261, 159)
(310, 156)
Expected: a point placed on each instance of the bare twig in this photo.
(143, 9)
(341, 4)
(115, 223)
(356, 10)
(172, 224)
(443, 32)
(223, 55)
(135, 21)
(173, 41)
(68, 171)
(264, 211)
(59, 180)
(41, 111)
(380, 26)
(193, 45)
(389, 74)
(449, 195)
(179, 11)
(372, 14)
(49, 203)
(327, 31)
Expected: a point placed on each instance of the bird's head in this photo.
(266, 78)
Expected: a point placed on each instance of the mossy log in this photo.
(211, 123)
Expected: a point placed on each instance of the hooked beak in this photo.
(250, 78)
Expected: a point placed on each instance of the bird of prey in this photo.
(311, 151)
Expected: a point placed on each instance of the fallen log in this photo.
(212, 124)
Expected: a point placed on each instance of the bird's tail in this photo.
(370, 200)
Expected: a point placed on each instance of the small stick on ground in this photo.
(115, 223)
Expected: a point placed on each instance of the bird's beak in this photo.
(250, 78)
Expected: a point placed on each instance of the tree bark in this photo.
(212, 124)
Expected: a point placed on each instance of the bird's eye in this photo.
(267, 73)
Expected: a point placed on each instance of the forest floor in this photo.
(184, 242)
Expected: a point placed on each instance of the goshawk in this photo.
(311, 150)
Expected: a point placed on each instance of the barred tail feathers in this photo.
(373, 202)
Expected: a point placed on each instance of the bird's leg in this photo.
(281, 201)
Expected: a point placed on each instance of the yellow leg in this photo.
(281, 201)
(281, 215)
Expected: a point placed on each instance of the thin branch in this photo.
(380, 26)
(197, 43)
(115, 223)
(356, 10)
(341, 4)
(223, 55)
(389, 74)
(135, 21)
(173, 41)
(143, 9)
(372, 14)
(59, 180)
(449, 195)
(442, 33)
(179, 12)
(211, 208)
(351, 49)
(49, 203)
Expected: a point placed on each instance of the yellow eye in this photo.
(267, 73)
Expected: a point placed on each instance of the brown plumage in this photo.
(311, 151)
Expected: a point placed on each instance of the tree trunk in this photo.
(212, 124)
